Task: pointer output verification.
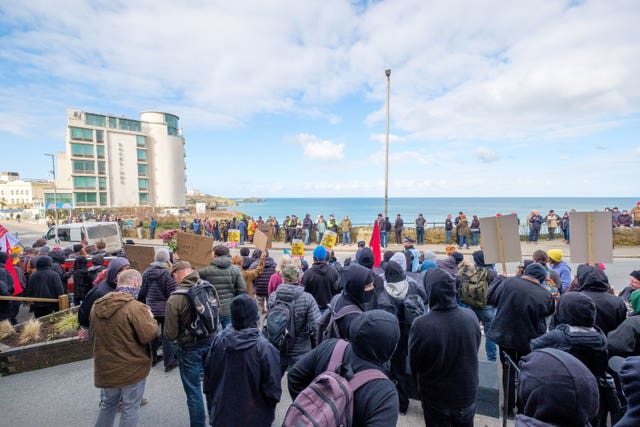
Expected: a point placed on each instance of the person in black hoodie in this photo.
(81, 281)
(443, 354)
(555, 389)
(44, 283)
(630, 380)
(624, 341)
(577, 334)
(321, 280)
(6, 288)
(522, 306)
(594, 283)
(261, 283)
(242, 371)
(374, 337)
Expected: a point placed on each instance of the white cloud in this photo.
(485, 155)
(318, 149)
(381, 137)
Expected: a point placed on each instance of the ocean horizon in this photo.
(363, 210)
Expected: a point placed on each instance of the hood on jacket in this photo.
(244, 312)
(557, 388)
(190, 279)
(43, 262)
(374, 336)
(537, 271)
(106, 306)
(576, 309)
(236, 340)
(365, 257)
(591, 278)
(442, 289)
(322, 268)
(430, 256)
(478, 258)
(223, 261)
(354, 278)
(448, 264)
(630, 379)
(395, 282)
(399, 259)
(80, 262)
(115, 265)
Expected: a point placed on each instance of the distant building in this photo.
(16, 193)
(114, 161)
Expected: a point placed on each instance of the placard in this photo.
(195, 249)
(297, 248)
(329, 239)
(233, 237)
(500, 239)
(591, 237)
(261, 240)
(140, 256)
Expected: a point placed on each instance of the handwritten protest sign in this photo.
(233, 238)
(591, 237)
(261, 240)
(140, 256)
(297, 248)
(500, 240)
(329, 239)
(195, 249)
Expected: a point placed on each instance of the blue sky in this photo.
(287, 98)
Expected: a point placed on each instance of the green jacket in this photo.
(226, 278)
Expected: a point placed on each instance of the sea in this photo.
(363, 211)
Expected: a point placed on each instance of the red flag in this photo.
(374, 243)
(17, 287)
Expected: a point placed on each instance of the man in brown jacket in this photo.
(121, 331)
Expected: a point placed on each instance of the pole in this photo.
(386, 155)
(55, 191)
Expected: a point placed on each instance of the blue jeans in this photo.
(474, 237)
(346, 238)
(242, 237)
(486, 315)
(463, 241)
(319, 237)
(191, 365)
(131, 396)
(384, 239)
(306, 232)
(420, 235)
(447, 234)
(534, 234)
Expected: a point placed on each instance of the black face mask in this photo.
(368, 296)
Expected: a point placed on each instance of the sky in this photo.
(287, 98)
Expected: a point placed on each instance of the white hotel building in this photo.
(113, 161)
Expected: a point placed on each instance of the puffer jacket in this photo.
(307, 315)
(226, 278)
(121, 330)
(261, 283)
(157, 285)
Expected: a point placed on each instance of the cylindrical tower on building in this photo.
(167, 158)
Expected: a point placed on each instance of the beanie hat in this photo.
(393, 272)
(635, 274)
(162, 255)
(45, 249)
(320, 253)
(244, 312)
(290, 273)
(555, 254)
(537, 271)
(458, 257)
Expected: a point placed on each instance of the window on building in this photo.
(81, 134)
(113, 123)
(172, 124)
(84, 182)
(102, 183)
(81, 150)
(101, 167)
(99, 135)
(132, 125)
(143, 198)
(100, 151)
(143, 183)
(142, 155)
(61, 198)
(82, 166)
(95, 120)
(142, 169)
(103, 199)
(141, 141)
(85, 198)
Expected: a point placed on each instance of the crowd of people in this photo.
(409, 328)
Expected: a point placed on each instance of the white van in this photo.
(90, 232)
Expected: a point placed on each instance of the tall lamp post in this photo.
(55, 191)
(386, 154)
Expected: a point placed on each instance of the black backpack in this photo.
(280, 325)
(328, 323)
(412, 307)
(205, 306)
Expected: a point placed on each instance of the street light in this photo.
(386, 155)
(55, 191)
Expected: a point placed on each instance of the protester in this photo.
(630, 380)
(261, 283)
(374, 337)
(560, 267)
(249, 275)
(634, 283)
(625, 339)
(242, 371)
(6, 288)
(487, 313)
(44, 283)
(420, 223)
(81, 280)
(321, 280)
(121, 331)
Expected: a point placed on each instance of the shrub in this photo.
(6, 329)
(30, 332)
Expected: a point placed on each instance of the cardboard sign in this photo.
(140, 256)
(329, 239)
(297, 247)
(195, 249)
(233, 238)
(500, 239)
(591, 237)
(261, 240)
